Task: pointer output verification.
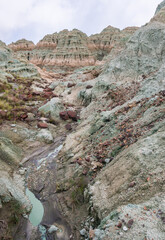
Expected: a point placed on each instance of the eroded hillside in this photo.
(89, 138)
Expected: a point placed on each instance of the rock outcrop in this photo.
(121, 131)
(159, 7)
(73, 48)
(11, 67)
(22, 45)
(52, 108)
(13, 201)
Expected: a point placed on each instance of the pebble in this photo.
(22, 171)
(119, 225)
(52, 229)
(42, 125)
(30, 116)
(68, 126)
(125, 229)
(130, 223)
(70, 155)
(132, 184)
(99, 233)
(109, 225)
(43, 119)
(107, 160)
(83, 232)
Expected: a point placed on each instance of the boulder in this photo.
(72, 115)
(68, 114)
(85, 96)
(9, 154)
(68, 126)
(71, 85)
(24, 116)
(89, 86)
(52, 108)
(48, 94)
(52, 229)
(42, 125)
(30, 117)
(64, 115)
(45, 136)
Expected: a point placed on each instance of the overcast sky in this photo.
(33, 19)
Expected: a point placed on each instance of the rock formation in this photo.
(73, 48)
(10, 66)
(159, 7)
(22, 45)
(92, 137)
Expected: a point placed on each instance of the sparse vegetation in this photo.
(77, 193)
(16, 211)
(4, 105)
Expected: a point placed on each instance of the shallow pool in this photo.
(37, 211)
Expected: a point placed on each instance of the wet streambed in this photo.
(45, 213)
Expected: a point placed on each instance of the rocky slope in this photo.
(92, 138)
(73, 48)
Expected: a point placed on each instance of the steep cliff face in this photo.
(65, 48)
(72, 48)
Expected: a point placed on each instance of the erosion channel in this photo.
(45, 214)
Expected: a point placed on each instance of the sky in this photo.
(33, 19)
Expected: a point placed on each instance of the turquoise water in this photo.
(37, 211)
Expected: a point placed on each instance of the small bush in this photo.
(77, 194)
(5, 105)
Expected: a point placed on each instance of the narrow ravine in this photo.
(45, 214)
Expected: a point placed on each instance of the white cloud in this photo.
(32, 19)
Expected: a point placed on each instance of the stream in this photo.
(45, 214)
